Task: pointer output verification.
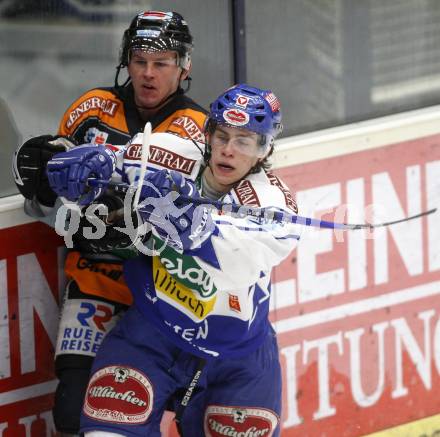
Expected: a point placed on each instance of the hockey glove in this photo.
(99, 233)
(29, 166)
(69, 172)
(182, 228)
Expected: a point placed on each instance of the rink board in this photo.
(29, 303)
(357, 313)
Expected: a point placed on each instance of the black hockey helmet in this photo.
(156, 31)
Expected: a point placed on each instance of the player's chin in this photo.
(227, 179)
(148, 94)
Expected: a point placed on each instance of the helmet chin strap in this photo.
(118, 70)
(188, 85)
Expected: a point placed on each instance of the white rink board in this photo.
(357, 137)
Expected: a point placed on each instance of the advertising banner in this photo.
(357, 312)
(29, 306)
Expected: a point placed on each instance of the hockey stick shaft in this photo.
(278, 216)
(268, 214)
(144, 159)
(265, 214)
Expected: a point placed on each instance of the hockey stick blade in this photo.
(393, 222)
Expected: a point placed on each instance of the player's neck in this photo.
(146, 114)
(210, 188)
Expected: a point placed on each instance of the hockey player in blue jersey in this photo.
(198, 336)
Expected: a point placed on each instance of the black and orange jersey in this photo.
(109, 116)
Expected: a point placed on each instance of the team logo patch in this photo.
(95, 136)
(236, 117)
(234, 303)
(119, 394)
(242, 100)
(237, 421)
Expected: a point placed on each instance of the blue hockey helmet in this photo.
(249, 108)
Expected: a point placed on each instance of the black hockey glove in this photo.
(112, 240)
(29, 166)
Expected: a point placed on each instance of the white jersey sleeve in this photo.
(241, 250)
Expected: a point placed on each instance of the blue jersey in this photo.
(214, 300)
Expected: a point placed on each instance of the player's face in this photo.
(234, 151)
(155, 76)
